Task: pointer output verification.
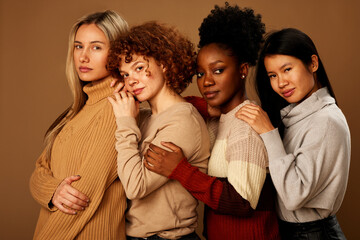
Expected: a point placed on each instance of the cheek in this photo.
(274, 86)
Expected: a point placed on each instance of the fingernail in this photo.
(78, 175)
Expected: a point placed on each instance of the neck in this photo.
(163, 100)
(233, 102)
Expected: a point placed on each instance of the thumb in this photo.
(172, 146)
(71, 179)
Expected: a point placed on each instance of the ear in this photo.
(314, 63)
(244, 70)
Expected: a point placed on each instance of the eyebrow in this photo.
(92, 42)
(282, 66)
(213, 63)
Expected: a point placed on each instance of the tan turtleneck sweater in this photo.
(85, 147)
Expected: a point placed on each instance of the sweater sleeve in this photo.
(97, 171)
(200, 104)
(42, 183)
(138, 181)
(321, 157)
(217, 193)
(248, 160)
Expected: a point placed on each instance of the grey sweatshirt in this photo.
(310, 166)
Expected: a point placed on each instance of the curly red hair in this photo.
(166, 45)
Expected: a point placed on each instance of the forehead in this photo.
(278, 61)
(90, 33)
(212, 53)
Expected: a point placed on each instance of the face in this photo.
(90, 53)
(144, 78)
(290, 78)
(219, 77)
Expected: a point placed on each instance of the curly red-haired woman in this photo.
(156, 63)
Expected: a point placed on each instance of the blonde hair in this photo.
(113, 26)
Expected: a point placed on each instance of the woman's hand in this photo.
(124, 105)
(255, 117)
(162, 161)
(67, 199)
(120, 85)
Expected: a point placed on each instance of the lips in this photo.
(210, 94)
(85, 69)
(288, 92)
(137, 91)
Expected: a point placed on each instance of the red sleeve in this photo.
(200, 104)
(216, 193)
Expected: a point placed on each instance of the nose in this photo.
(132, 80)
(282, 82)
(208, 81)
(84, 56)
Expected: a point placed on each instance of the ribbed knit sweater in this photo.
(235, 208)
(85, 147)
(160, 206)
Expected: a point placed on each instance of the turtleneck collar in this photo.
(98, 90)
(294, 113)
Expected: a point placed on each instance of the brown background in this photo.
(33, 89)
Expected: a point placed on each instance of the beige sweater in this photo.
(159, 205)
(84, 147)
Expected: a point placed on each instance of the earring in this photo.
(243, 76)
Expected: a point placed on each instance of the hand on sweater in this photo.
(255, 117)
(162, 161)
(124, 105)
(67, 199)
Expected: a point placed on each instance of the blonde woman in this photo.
(75, 179)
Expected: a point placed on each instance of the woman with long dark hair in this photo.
(305, 133)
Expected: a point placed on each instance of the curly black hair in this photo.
(233, 28)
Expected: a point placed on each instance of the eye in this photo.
(287, 69)
(124, 75)
(218, 71)
(199, 74)
(77, 46)
(139, 68)
(272, 76)
(96, 48)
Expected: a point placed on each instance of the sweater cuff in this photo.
(182, 170)
(273, 143)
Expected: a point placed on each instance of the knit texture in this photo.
(239, 154)
(84, 147)
(310, 165)
(158, 205)
(228, 215)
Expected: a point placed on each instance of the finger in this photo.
(65, 210)
(123, 94)
(171, 145)
(157, 149)
(117, 97)
(111, 100)
(148, 166)
(77, 194)
(119, 87)
(154, 156)
(112, 84)
(71, 179)
(74, 202)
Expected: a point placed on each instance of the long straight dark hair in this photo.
(291, 42)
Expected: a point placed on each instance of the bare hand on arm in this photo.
(66, 195)
(162, 161)
(124, 104)
(256, 117)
